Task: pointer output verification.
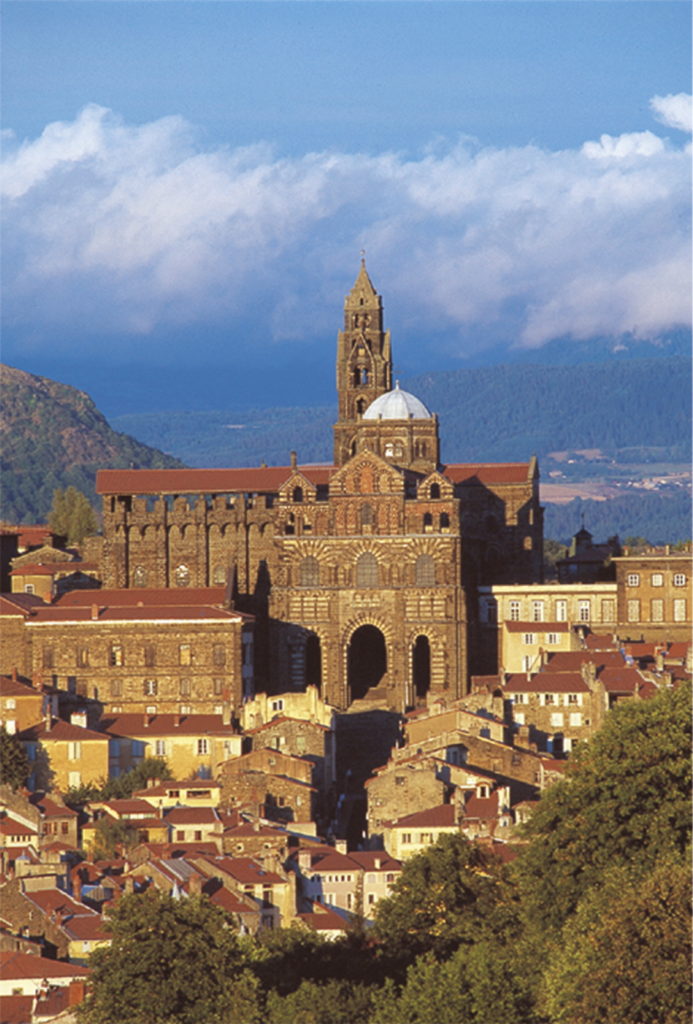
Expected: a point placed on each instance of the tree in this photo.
(624, 956)
(454, 893)
(625, 799)
(553, 551)
(171, 961)
(72, 515)
(331, 1002)
(14, 764)
(120, 787)
(112, 835)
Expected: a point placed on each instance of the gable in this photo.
(367, 473)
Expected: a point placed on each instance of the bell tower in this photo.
(364, 361)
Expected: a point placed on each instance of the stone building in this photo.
(363, 573)
(654, 595)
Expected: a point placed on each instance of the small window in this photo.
(219, 655)
(83, 657)
(444, 521)
(425, 571)
(309, 572)
(584, 611)
(435, 491)
(633, 579)
(514, 611)
(182, 576)
(218, 686)
(277, 705)
(537, 611)
(297, 494)
(633, 608)
(139, 577)
(48, 657)
(657, 610)
(679, 579)
(160, 748)
(219, 575)
(185, 654)
(657, 579)
(366, 515)
(557, 720)
(552, 639)
(29, 588)
(367, 570)
(116, 656)
(150, 687)
(116, 688)
(184, 687)
(202, 747)
(150, 656)
(561, 611)
(529, 638)
(427, 522)
(680, 609)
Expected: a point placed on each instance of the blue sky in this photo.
(189, 184)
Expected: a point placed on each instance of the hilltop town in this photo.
(274, 686)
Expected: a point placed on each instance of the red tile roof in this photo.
(246, 870)
(442, 816)
(546, 682)
(482, 808)
(323, 920)
(10, 687)
(145, 596)
(626, 681)
(165, 725)
(21, 966)
(247, 480)
(11, 827)
(570, 661)
(60, 731)
(514, 626)
(151, 613)
(20, 604)
(599, 642)
(487, 472)
(192, 816)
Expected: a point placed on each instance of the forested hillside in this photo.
(53, 436)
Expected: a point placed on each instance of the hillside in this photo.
(52, 435)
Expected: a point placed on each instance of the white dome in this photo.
(397, 405)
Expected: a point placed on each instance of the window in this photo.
(184, 687)
(444, 521)
(149, 710)
(573, 698)
(520, 698)
(297, 494)
(219, 655)
(537, 611)
(679, 579)
(219, 575)
(680, 609)
(277, 705)
(575, 718)
(514, 611)
(74, 750)
(426, 837)
(202, 747)
(116, 655)
(633, 579)
(29, 588)
(74, 779)
(424, 571)
(83, 657)
(561, 611)
(427, 522)
(634, 611)
(406, 838)
(116, 688)
(608, 610)
(529, 638)
(584, 611)
(150, 688)
(149, 656)
(309, 572)
(182, 576)
(366, 515)
(160, 748)
(139, 577)
(11, 704)
(48, 657)
(218, 687)
(519, 717)
(656, 610)
(657, 579)
(185, 654)
(552, 639)
(556, 719)
(549, 698)
(366, 570)
(435, 491)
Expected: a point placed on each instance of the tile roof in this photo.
(191, 816)
(126, 806)
(285, 718)
(20, 604)
(487, 472)
(246, 870)
(546, 682)
(9, 826)
(10, 687)
(482, 808)
(442, 816)
(150, 613)
(254, 480)
(159, 596)
(50, 809)
(515, 626)
(86, 926)
(570, 661)
(599, 642)
(626, 680)
(19, 966)
(324, 920)
(60, 731)
(165, 725)
(375, 860)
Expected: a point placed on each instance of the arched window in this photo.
(444, 521)
(366, 570)
(389, 450)
(367, 515)
(427, 522)
(290, 525)
(309, 572)
(361, 406)
(139, 577)
(425, 571)
(297, 494)
(182, 575)
(435, 491)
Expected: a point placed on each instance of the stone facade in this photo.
(362, 574)
(655, 596)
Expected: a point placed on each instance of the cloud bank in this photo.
(112, 227)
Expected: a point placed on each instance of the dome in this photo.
(397, 405)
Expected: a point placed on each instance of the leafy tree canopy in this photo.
(624, 956)
(171, 961)
(624, 800)
(120, 787)
(454, 893)
(14, 765)
(72, 515)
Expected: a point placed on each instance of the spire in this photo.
(363, 293)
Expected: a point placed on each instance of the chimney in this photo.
(293, 460)
(79, 718)
(76, 992)
(226, 714)
(195, 885)
(177, 720)
(77, 887)
(95, 611)
(340, 845)
(49, 720)
(14, 674)
(588, 671)
(377, 863)
(129, 886)
(304, 860)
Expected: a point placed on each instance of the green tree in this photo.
(111, 837)
(171, 961)
(454, 893)
(553, 551)
(625, 799)
(625, 954)
(330, 1002)
(72, 515)
(14, 764)
(120, 787)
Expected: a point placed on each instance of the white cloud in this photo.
(674, 110)
(133, 227)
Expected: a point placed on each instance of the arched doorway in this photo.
(313, 661)
(421, 667)
(366, 661)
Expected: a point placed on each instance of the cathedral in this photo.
(362, 574)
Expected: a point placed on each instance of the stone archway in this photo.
(421, 667)
(366, 661)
